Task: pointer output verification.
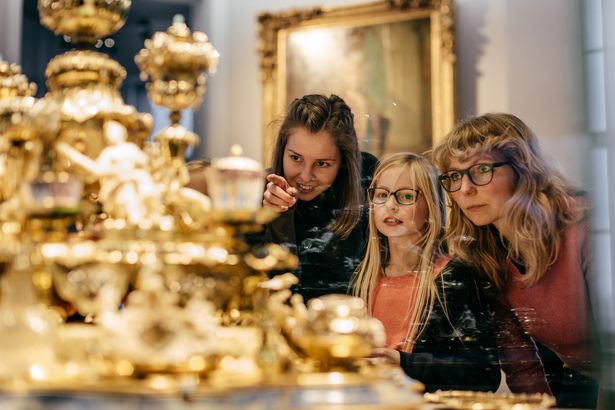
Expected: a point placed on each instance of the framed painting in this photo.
(392, 61)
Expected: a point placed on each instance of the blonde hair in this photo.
(539, 209)
(429, 245)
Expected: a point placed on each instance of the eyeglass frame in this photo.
(467, 172)
(394, 193)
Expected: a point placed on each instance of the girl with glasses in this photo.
(436, 324)
(317, 183)
(516, 219)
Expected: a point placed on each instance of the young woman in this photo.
(317, 182)
(520, 222)
(433, 312)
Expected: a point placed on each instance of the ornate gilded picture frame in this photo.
(392, 61)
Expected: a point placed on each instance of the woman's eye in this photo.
(322, 164)
(484, 168)
(294, 157)
(454, 176)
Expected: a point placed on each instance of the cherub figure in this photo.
(179, 194)
(127, 189)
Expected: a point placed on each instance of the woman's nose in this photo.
(467, 187)
(306, 173)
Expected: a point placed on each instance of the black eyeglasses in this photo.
(402, 196)
(479, 174)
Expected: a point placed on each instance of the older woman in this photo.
(516, 219)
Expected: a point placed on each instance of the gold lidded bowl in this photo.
(82, 68)
(175, 61)
(85, 85)
(84, 21)
(338, 330)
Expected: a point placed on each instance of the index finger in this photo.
(278, 180)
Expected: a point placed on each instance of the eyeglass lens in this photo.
(479, 174)
(402, 196)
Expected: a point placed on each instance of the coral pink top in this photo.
(393, 303)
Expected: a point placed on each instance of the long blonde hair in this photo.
(429, 246)
(539, 209)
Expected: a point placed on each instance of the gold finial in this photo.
(179, 29)
(236, 150)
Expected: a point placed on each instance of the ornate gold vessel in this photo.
(175, 63)
(86, 86)
(83, 21)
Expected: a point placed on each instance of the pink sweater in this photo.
(556, 311)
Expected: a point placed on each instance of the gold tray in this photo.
(195, 385)
(471, 400)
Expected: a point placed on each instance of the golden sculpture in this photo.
(127, 189)
(198, 306)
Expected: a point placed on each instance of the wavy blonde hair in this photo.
(363, 284)
(539, 209)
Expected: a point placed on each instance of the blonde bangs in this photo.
(461, 150)
(538, 211)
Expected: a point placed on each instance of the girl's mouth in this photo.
(392, 221)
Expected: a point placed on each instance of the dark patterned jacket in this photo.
(326, 261)
(458, 351)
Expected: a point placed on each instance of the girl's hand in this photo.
(391, 355)
(279, 195)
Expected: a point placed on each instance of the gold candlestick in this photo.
(176, 62)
